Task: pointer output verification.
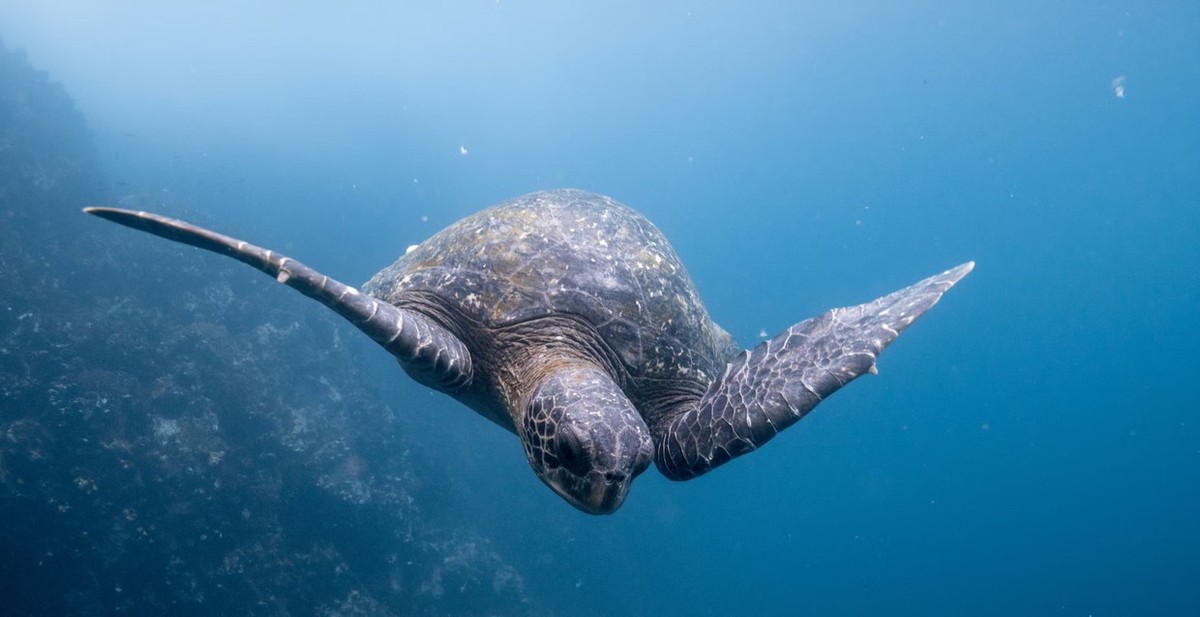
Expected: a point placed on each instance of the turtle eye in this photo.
(568, 447)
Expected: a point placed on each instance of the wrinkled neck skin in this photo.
(556, 384)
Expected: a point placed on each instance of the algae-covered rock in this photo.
(177, 450)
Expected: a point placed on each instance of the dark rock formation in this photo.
(181, 451)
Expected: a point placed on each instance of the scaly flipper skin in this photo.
(767, 389)
(428, 352)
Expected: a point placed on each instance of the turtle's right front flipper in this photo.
(767, 389)
(428, 351)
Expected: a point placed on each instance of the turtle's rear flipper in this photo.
(429, 352)
(767, 389)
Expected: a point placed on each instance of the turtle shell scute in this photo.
(568, 252)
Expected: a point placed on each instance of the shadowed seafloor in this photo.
(185, 452)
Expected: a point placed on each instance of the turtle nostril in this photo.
(614, 476)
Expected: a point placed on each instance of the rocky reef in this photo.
(183, 451)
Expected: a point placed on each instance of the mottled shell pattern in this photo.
(576, 253)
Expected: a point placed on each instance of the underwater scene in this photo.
(543, 409)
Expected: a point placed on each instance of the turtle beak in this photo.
(594, 493)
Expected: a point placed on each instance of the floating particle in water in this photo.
(1118, 86)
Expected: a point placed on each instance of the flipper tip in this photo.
(955, 274)
(116, 215)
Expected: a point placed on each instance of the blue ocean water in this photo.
(1031, 446)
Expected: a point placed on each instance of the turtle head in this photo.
(584, 438)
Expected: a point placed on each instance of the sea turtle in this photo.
(566, 318)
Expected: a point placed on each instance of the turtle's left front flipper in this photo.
(768, 388)
(428, 352)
